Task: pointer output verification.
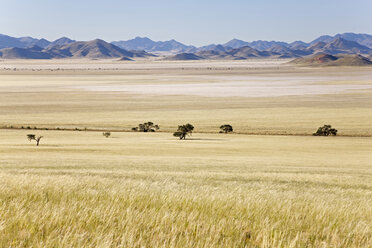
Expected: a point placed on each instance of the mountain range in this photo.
(146, 44)
(95, 49)
(334, 47)
(31, 48)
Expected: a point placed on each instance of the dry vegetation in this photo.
(80, 189)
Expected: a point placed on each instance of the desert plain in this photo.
(270, 183)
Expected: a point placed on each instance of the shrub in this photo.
(226, 128)
(146, 127)
(106, 134)
(325, 130)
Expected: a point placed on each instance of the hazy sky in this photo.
(196, 22)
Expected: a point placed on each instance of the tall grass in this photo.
(88, 191)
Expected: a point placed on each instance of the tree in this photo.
(146, 127)
(106, 134)
(183, 131)
(226, 128)
(31, 137)
(325, 130)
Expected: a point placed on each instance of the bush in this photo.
(106, 134)
(146, 127)
(325, 130)
(226, 128)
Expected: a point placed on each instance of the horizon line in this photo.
(172, 39)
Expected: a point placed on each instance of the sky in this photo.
(193, 22)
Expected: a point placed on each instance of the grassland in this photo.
(254, 188)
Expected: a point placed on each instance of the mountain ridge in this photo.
(64, 47)
(94, 49)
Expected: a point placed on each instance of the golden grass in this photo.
(149, 190)
(79, 189)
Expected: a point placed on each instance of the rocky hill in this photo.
(324, 59)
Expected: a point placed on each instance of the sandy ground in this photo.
(250, 95)
(242, 88)
(109, 64)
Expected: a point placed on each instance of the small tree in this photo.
(183, 131)
(226, 128)
(146, 127)
(325, 130)
(106, 134)
(31, 137)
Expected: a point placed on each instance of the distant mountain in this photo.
(61, 41)
(7, 41)
(172, 46)
(283, 51)
(241, 53)
(248, 52)
(318, 46)
(298, 45)
(347, 43)
(323, 38)
(214, 54)
(263, 45)
(340, 46)
(235, 43)
(95, 49)
(208, 47)
(215, 48)
(24, 53)
(138, 43)
(146, 44)
(320, 59)
(183, 56)
(23, 42)
(298, 49)
(324, 59)
(363, 39)
(141, 54)
(353, 60)
(29, 42)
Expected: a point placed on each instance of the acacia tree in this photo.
(106, 134)
(31, 137)
(183, 131)
(146, 127)
(226, 128)
(325, 130)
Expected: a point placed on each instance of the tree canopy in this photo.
(31, 137)
(106, 134)
(226, 128)
(146, 127)
(325, 130)
(183, 131)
